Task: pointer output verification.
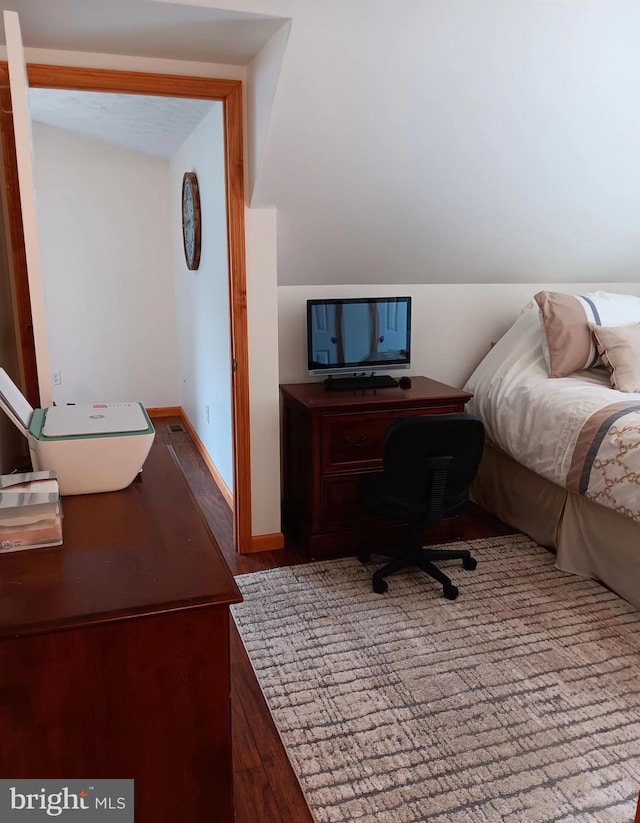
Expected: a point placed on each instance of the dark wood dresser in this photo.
(329, 439)
(114, 651)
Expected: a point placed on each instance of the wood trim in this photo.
(267, 542)
(130, 82)
(239, 326)
(14, 234)
(165, 411)
(225, 491)
(230, 93)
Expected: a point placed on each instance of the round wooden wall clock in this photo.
(191, 228)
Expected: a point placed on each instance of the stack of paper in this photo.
(30, 511)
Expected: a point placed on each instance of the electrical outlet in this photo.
(206, 411)
(57, 378)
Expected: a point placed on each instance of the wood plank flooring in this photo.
(266, 788)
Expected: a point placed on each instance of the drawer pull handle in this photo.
(355, 443)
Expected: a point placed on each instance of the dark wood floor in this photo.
(265, 786)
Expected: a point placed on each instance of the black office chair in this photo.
(429, 462)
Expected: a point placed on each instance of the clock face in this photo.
(191, 220)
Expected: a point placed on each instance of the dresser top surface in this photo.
(144, 550)
(422, 390)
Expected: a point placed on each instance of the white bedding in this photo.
(543, 422)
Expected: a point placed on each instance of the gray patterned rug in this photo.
(520, 701)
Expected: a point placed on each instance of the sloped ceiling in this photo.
(416, 142)
(231, 32)
(148, 28)
(153, 125)
(439, 141)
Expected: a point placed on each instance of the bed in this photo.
(562, 460)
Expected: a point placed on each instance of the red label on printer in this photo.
(99, 406)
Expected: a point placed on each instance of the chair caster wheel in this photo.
(450, 592)
(363, 555)
(379, 585)
(469, 563)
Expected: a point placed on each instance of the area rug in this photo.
(519, 701)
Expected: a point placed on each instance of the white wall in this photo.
(104, 231)
(453, 326)
(202, 296)
(452, 141)
(261, 88)
(263, 321)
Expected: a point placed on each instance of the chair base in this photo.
(420, 559)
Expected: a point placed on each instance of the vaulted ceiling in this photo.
(147, 28)
(153, 125)
(427, 141)
(178, 30)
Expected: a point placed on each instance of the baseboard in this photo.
(266, 543)
(259, 542)
(213, 471)
(165, 411)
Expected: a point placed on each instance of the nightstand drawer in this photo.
(354, 441)
(341, 506)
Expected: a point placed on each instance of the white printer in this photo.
(97, 447)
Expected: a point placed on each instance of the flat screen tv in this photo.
(358, 335)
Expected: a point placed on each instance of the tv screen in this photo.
(358, 335)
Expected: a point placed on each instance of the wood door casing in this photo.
(229, 92)
(15, 246)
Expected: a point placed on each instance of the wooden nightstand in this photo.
(330, 438)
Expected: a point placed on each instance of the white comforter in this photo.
(576, 431)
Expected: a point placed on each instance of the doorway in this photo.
(228, 92)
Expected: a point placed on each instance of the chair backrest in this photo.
(412, 443)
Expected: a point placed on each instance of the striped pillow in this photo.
(567, 341)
